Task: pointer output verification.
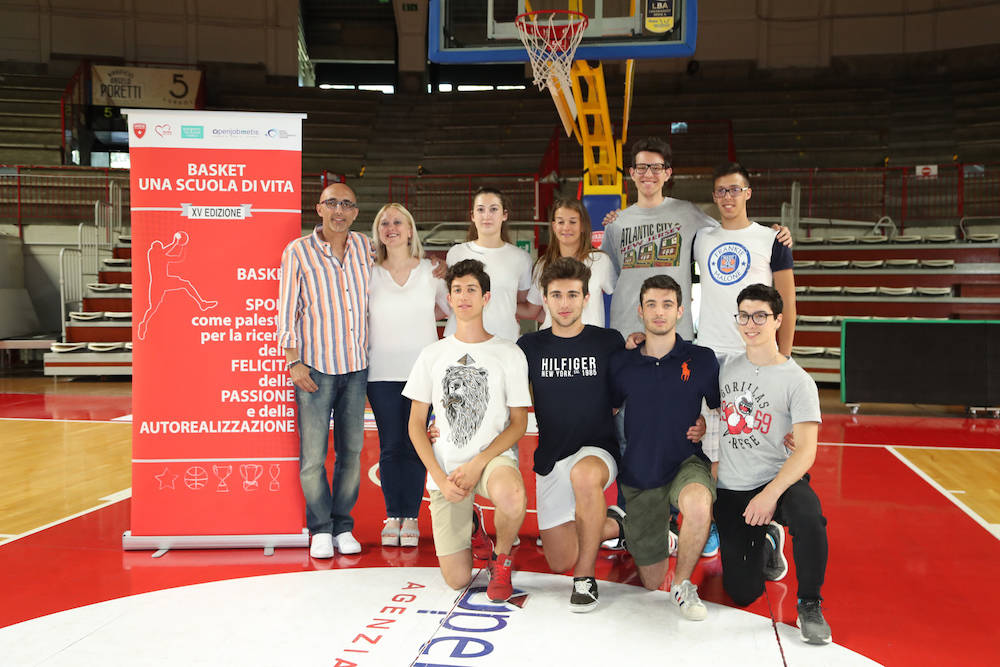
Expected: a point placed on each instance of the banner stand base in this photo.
(163, 543)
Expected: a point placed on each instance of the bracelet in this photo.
(292, 363)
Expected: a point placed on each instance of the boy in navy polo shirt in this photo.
(664, 381)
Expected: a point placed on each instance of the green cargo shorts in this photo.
(647, 511)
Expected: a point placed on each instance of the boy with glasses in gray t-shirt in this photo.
(765, 395)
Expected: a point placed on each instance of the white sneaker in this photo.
(346, 544)
(321, 546)
(685, 596)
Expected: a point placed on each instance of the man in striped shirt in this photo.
(323, 328)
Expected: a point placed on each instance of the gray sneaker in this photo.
(812, 626)
(775, 567)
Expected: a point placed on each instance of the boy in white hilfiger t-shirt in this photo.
(478, 385)
(761, 482)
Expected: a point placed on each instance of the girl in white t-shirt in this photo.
(569, 236)
(508, 266)
(404, 303)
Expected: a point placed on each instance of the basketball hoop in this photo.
(551, 38)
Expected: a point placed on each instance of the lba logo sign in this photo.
(139, 129)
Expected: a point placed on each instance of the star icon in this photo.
(166, 479)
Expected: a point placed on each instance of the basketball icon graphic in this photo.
(181, 237)
(195, 478)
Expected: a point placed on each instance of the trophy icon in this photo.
(223, 473)
(251, 472)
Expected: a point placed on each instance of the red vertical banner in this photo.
(215, 197)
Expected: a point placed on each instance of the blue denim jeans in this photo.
(400, 469)
(329, 510)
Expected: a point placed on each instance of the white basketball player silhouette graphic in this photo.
(160, 260)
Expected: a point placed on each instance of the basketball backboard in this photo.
(467, 31)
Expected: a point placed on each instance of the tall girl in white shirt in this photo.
(508, 266)
(404, 303)
(569, 236)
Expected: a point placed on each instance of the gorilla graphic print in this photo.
(466, 395)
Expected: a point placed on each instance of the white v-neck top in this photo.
(401, 320)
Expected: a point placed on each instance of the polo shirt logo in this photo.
(685, 371)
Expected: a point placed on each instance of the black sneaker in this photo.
(812, 626)
(584, 597)
(775, 567)
(616, 543)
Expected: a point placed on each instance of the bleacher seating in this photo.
(29, 118)
(920, 280)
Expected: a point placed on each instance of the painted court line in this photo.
(110, 499)
(992, 529)
(935, 447)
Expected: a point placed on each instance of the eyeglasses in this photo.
(345, 204)
(759, 318)
(657, 169)
(733, 191)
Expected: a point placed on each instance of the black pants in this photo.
(742, 546)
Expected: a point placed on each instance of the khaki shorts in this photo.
(647, 511)
(452, 522)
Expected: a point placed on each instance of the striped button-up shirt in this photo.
(323, 305)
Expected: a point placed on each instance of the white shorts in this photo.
(554, 492)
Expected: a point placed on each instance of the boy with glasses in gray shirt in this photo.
(764, 395)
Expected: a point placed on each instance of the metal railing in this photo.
(41, 194)
(66, 194)
(957, 192)
(89, 244)
(313, 185)
(448, 197)
(70, 283)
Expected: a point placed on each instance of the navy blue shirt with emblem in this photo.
(663, 398)
(570, 381)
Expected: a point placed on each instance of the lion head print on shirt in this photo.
(466, 395)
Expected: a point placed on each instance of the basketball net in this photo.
(551, 38)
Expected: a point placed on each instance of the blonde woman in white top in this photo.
(404, 304)
(509, 267)
(569, 236)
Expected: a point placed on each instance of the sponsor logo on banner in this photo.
(235, 132)
(728, 263)
(275, 133)
(139, 129)
(192, 132)
(163, 130)
(151, 87)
